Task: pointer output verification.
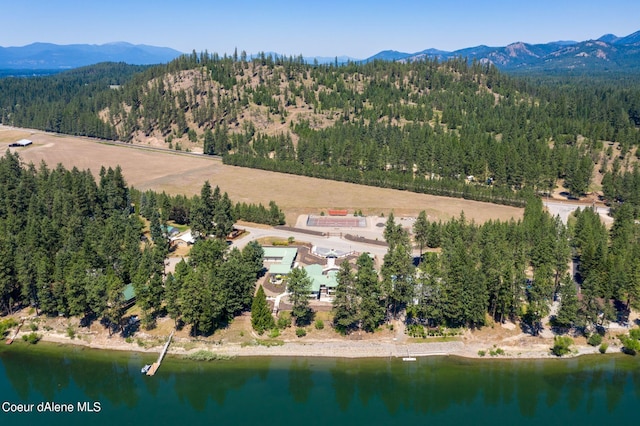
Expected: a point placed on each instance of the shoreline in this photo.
(373, 349)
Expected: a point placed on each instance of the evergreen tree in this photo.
(261, 318)
(345, 302)
(568, 312)
(299, 288)
(369, 292)
(421, 231)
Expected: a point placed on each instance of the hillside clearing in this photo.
(178, 174)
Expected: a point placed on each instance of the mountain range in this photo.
(607, 53)
(53, 56)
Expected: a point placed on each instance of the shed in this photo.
(21, 143)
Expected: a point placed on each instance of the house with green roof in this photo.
(322, 284)
(280, 260)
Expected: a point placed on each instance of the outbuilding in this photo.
(21, 143)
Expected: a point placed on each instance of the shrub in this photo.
(603, 348)
(267, 343)
(416, 330)
(301, 332)
(496, 352)
(6, 325)
(319, 324)
(561, 345)
(71, 332)
(284, 321)
(31, 338)
(274, 332)
(482, 353)
(630, 345)
(33, 326)
(595, 339)
(204, 355)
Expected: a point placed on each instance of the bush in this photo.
(274, 332)
(284, 321)
(319, 324)
(603, 348)
(416, 330)
(482, 353)
(595, 339)
(31, 338)
(71, 332)
(561, 345)
(630, 345)
(6, 325)
(301, 332)
(204, 355)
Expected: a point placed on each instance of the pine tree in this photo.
(568, 312)
(369, 292)
(345, 302)
(261, 318)
(421, 231)
(299, 287)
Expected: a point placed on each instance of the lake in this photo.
(105, 387)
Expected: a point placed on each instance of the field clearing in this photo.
(181, 174)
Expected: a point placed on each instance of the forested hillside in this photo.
(449, 128)
(70, 245)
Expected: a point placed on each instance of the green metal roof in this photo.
(279, 269)
(318, 279)
(285, 257)
(129, 292)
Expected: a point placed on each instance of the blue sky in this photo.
(356, 28)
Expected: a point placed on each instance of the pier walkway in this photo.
(156, 365)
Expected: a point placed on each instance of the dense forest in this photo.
(451, 128)
(497, 271)
(70, 244)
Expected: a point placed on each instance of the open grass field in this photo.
(181, 174)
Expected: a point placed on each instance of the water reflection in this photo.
(533, 390)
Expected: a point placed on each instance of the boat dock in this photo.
(15, 334)
(156, 365)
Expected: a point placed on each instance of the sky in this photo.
(354, 28)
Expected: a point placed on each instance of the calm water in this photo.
(587, 390)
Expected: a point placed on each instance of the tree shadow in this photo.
(131, 326)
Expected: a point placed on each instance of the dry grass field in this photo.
(181, 174)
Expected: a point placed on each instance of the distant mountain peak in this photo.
(609, 52)
(609, 38)
(518, 49)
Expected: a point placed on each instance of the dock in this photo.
(15, 334)
(156, 365)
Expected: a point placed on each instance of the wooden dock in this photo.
(156, 365)
(15, 334)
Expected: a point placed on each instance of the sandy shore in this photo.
(526, 347)
(504, 341)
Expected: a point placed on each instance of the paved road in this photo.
(565, 209)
